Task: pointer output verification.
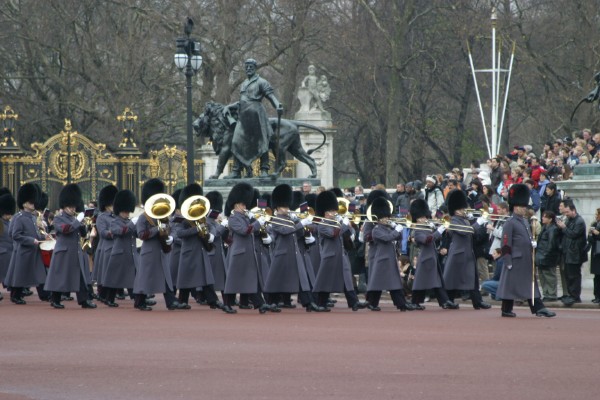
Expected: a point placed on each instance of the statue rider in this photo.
(253, 131)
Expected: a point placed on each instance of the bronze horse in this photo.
(214, 124)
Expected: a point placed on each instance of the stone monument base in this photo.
(263, 184)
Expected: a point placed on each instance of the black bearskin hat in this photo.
(175, 196)
(152, 187)
(311, 200)
(337, 191)
(124, 201)
(42, 201)
(7, 204)
(518, 195)
(4, 190)
(107, 196)
(241, 193)
(70, 196)
(418, 209)
(282, 196)
(380, 208)
(193, 189)
(376, 194)
(457, 200)
(326, 201)
(216, 200)
(27, 193)
(297, 199)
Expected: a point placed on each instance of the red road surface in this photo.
(206, 354)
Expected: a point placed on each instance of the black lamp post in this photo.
(189, 60)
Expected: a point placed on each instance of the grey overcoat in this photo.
(460, 268)
(6, 248)
(124, 259)
(153, 275)
(383, 271)
(428, 274)
(195, 270)
(335, 274)
(105, 243)
(26, 268)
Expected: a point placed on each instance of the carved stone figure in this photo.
(253, 131)
(219, 126)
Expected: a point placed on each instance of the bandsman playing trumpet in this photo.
(383, 272)
(460, 270)
(69, 270)
(244, 274)
(335, 275)
(428, 273)
(288, 273)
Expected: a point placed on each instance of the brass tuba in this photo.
(195, 209)
(159, 207)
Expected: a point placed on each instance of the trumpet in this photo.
(487, 215)
(159, 207)
(195, 208)
(454, 227)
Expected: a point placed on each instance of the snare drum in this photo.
(46, 248)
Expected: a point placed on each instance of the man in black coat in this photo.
(573, 244)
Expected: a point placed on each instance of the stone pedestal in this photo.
(584, 189)
(264, 185)
(311, 139)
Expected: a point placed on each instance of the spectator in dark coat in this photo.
(594, 240)
(573, 244)
(551, 199)
(547, 254)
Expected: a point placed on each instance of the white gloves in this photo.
(249, 214)
(211, 238)
(339, 218)
(481, 221)
(306, 221)
(346, 221)
(352, 237)
(293, 216)
(469, 215)
(361, 236)
(267, 240)
(309, 239)
(509, 267)
(441, 229)
(533, 244)
(432, 225)
(261, 220)
(398, 228)
(473, 192)
(225, 223)
(393, 225)
(135, 219)
(169, 240)
(80, 217)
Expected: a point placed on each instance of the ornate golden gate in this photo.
(71, 157)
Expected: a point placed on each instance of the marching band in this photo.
(263, 248)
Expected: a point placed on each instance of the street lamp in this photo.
(189, 61)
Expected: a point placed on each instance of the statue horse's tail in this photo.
(313, 127)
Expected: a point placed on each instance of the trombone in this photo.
(453, 227)
(267, 213)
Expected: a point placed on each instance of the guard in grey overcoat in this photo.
(7, 210)
(460, 270)
(26, 268)
(383, 272)
(153, 275)
(106, 198)
(517, 252)
(124, 259)
(68, 270)
(314, 250)
(175, 222)
(217, 254)
(335, 274)
(369, 225)
(244, 274)
(428, 272)
(287, 273)
(195, 270)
